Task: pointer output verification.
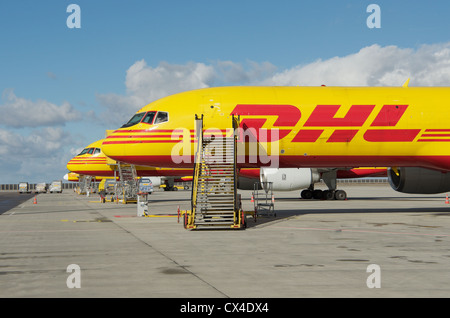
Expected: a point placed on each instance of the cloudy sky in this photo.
(61, 87)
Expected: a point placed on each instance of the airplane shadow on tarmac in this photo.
(285, 214)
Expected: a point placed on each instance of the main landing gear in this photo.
(323, 194)
(331, 194)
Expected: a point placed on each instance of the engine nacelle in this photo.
(418, 180)
(289, 179)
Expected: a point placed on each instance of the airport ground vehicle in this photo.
(145, 185)
(55, 186)
(107, 186)
(24, 187)
(41, 187)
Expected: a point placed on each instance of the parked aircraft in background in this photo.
(93, 162)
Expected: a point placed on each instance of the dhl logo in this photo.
(325, 116)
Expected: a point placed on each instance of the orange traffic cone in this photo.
(252, 200)
(446, 199)
(273, 199)
(35, 200)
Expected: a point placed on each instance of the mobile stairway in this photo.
(214, 202)
(127, 187)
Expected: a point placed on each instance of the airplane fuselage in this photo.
(299, 126)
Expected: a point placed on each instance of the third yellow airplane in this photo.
(405, 128)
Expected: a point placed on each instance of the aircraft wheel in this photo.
(340, 195)
(306, 194)
(328, 195)
(317, 194)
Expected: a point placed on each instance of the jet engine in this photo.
(288, 179)
(418, 180)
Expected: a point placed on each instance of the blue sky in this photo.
(126, 54)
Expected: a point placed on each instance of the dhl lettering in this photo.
(325, 116)
(389, 115)
(288, 116)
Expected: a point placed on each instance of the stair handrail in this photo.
(235, 125)
(198, 163)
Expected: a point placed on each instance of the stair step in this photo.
(216, 210)
(215, 216)
(214, 220)
(216, 205)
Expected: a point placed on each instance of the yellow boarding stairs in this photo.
(214, 202)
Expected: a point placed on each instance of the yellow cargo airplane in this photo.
(405, 128)
(315, 127)
(91, 161)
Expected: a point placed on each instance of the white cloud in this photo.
(39, 143)
(40, 154)
(374, 65)
(19, 112)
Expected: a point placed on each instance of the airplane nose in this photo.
(74, 165)
(70, 166)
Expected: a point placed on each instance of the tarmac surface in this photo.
(9, 200)
(376, 238)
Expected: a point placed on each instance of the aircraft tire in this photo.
(328, 195)
(306, 194)
(317, 194)
(340, 195)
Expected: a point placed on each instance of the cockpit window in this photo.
(96, 151)
(136, 119)
(85, 150)
(148, 119)
(161, 117)
(91, 151)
